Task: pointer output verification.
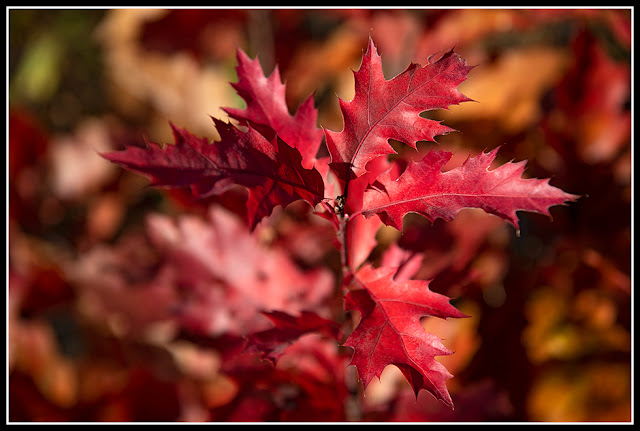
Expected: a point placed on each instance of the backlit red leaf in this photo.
(390, 331)
(423, 188)
(383, 110)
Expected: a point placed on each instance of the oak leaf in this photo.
(267, 110)
(270, 169)
(390, 331)
(390, 109)
(423, 188)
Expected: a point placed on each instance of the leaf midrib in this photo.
(391, 109)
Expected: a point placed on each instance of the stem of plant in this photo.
(352, 406)
(342, 239)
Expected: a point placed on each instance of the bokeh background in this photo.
(90, 337)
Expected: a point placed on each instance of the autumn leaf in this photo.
(267, 111)
(271, 170)
(423, 188)
(272, 342)
(390, 331)
(227, 277)
(383, 110)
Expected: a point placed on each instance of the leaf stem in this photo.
(342, 239)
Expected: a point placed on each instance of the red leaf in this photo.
(270, 169)
(272, 342)
(383, 110)
(267, 110)
(423, 188)
(227, 276)
(390, 331)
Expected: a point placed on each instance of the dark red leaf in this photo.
(267, 110)
(271, 170)
(272, 342)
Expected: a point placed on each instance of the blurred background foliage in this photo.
(550, 337)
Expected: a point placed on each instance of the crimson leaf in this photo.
(423, 188)
(383, 110)
(267, 110)
(390, 331)
(271, 170)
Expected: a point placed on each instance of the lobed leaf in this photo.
(390, 331)
(423, 188)
(383, 110)
(267, 111)
(271, 170)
